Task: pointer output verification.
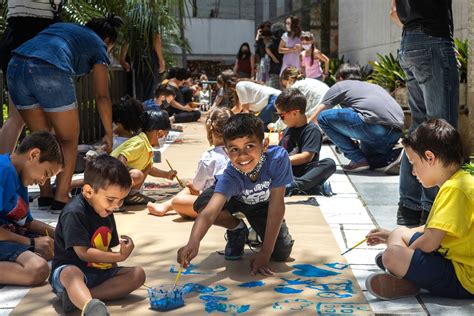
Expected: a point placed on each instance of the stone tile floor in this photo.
(358, 206)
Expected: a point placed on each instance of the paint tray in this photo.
(166, 297)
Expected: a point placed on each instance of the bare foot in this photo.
(158, 209)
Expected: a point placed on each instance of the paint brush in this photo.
(355, 246)
(178, 276)
(178, 179)
(147, 286)
(47, 234)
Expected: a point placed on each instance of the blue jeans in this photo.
(376, 141)
(267, 113)
(433, 92)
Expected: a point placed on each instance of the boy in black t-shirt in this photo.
(84, 269)
(302, 141)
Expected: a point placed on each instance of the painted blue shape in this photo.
(309, 271)
(298, 281)
(287, 290)
(216, 306)
(337, 265)
(202, 289)
(252, 284)
(292, 304)
(189, 270)
(340, 308)
(214, 298)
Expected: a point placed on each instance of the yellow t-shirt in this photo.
(137, 150)
(452, 212)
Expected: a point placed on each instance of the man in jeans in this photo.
(427, 55)
(367, 114)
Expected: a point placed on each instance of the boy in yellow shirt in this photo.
(438, 256)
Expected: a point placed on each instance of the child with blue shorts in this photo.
(438, 256)
(254, 184)
(25, 243)
(84, 268)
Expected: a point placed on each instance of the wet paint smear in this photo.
(334, 290)
(337, 265)
(214, 303)
(252, 284)
(298, 281)
(199, 288)
(310, 271)
(187, 271)
(292, 304)
(287, 290)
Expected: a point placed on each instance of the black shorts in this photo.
(257, 217)
(18, 31)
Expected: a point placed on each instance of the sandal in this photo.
(138, 199)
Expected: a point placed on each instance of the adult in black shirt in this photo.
(275, 57)
(428, 58)
(180, 107)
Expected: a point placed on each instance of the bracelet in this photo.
(32, 243)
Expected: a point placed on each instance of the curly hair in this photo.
(215, 121)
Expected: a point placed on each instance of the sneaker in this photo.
(379, 262)
(385, 286)
(95, 307)
(68, 306)
(408, 217)
(236, 239)
(326, 189)
(356, 166)
(393, 166)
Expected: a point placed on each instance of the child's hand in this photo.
(44, 246)
(126, 246)
(259, 264)
(171, 174)
(191, 188)
(186, 254)
(377, 236)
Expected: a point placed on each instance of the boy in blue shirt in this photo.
(254, 184)
(25, 243)
(302, 141)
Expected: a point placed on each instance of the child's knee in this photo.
(138, 277)
(391, 256)
(69, 273)
(38, 271)
(137, 176)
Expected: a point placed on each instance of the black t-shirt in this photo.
(80, 225)
(275, 68)
(184, 95)
(435, 17)
(306, 138)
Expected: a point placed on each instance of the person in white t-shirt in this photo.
(212, 163)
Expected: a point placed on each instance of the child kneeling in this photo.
(84, 269)
(438, 256)
(253, 183)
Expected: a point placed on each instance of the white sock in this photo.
(240, 225)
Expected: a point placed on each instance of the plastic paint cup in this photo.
(156, 155)
(166, 297)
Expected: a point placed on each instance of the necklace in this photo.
(255, 172)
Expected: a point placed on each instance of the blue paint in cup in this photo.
(166, 297)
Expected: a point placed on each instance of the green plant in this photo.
(469, 167)
(334, 64)
(461, 56)
(387, 72)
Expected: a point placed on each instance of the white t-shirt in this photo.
(31, 8)
(314, 91)
(212, 163)
(254, 94)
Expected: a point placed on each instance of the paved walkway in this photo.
(362, 201)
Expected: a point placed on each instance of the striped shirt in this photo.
(31, 8)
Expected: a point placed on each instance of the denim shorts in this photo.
(9, 251)
(256, 215)
(34, 83)
(433, 272)
(92, 279)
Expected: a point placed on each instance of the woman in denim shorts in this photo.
(41, 75)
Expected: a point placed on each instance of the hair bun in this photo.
(114, 20)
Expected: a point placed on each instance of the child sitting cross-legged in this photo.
(439, 255)
(254, 184)
(212, 163)
(137, 153)
(302, 141)
(25, 243)
(84, 269)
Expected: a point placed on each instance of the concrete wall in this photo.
(218, 39)
(365, 28)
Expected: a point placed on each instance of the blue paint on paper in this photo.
(215, 298)
(287, 290)
(337, 265)
(298, 281)
(341, 308)
(189, 270)
(308, 270)
(292, 304)
(334, 290)
(202, 289)
(252, 284)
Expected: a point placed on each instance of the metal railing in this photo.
(90, 124)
